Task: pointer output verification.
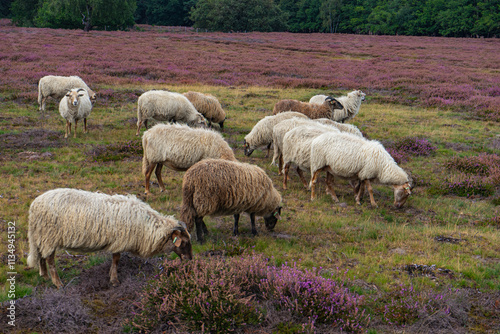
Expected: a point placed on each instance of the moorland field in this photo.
(432, 266)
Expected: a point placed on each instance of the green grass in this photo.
(371, 244)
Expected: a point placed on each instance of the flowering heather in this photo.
(433, 72)
(221, 294)
(467, 185)
(482, 164)
(402, 149)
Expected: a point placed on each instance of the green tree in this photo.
(236, 15)
(330, 14)
(5, 8)
(164, 12)
(23, 12)
(89, 14)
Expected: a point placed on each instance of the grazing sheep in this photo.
(208, 106)
(296, 148)
(318, 99)
(74, 106)
(351, 104)
(219, 188)
(179, 147)
(325, 110)
(166, 106)
(262, 132)
(283, 127)
(83, 221)
(57, 86)
(351, 157)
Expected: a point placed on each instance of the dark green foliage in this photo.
(165, 13)
(5, 8)
(235, 15)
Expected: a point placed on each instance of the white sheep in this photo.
(166, 106)
(296, 148)
(215, 187)
(57, 86)
(208, 106)
(74, 106)
(280, 129)
(325, 110)
(318, 99)
(83, 221)
(351, 157)
(262, 132)
(351, 103)
(179, 147)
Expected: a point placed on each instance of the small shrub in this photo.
(116, 151)
(415, 146)
(483, 164)
(466, 185)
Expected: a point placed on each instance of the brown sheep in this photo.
(220, 188)
(311, 110)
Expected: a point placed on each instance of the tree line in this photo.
(450, 18)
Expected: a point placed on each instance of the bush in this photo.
(466, 185)
(406, 147)
(219, 294)
(116, 151)
(483, 164)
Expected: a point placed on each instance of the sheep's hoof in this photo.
(115, 282)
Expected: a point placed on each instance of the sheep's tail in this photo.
(188, 213)
(145, 161)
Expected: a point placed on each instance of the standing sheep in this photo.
(325, 110)
(166, 106)
(296, 148)
(220, 188)
(351, 103)
(208, 106)
(262, 132)
(351, 157)
(74, 106)
(83, 221)
(179, 147)
(57, 86)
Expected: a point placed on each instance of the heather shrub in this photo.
(466, 185)
(415, 146)
(483, 164)
(398, 156)
(116, 151)
(220, 294)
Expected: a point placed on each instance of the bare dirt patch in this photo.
(31, 140)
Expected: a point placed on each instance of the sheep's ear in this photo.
(176, 238)
(69, 92)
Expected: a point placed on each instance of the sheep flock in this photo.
(312, 135)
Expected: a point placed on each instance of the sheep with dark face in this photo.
(87, 222)
(57, 86)
(325, 110)
(350, 102)
(219, 188)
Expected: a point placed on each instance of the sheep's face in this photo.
(181, 240)
(357, 94)
(334, 104)
(74, 95)
(401, 193)
(200, 121)
(247, 149)
(272, 219)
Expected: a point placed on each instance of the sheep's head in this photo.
(272, 219)
(221, 124)
(200, 121)
(247, 149)
(357, 94)
(74, 95)
(401, 193)
(334, 104)
(181, 240)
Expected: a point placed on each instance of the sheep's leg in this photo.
(85, 125)
(199, 228)
(205, 229)
(139, 123)
(280, 164)
(312, 184)
(285, 175)
(355, 184)
(148, 176)
(53, 271)
(330, 180)
(236, 220)
(302, 178)
(268, 150)
(158, 176)
(76, 123)
(252, 221)
(113, 272)
(370, 191)
(360, 191)
(43, 268)
(146, 124)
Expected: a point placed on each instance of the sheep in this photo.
(318, 99)
(296, 148)
(57, 86)
(351, 157)
(262, 132)
(325, 110)
(280, 129)
(84, 221)
(179, 147)
(166, 106)
(74, 106)
(219, 187)
(208, 106)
